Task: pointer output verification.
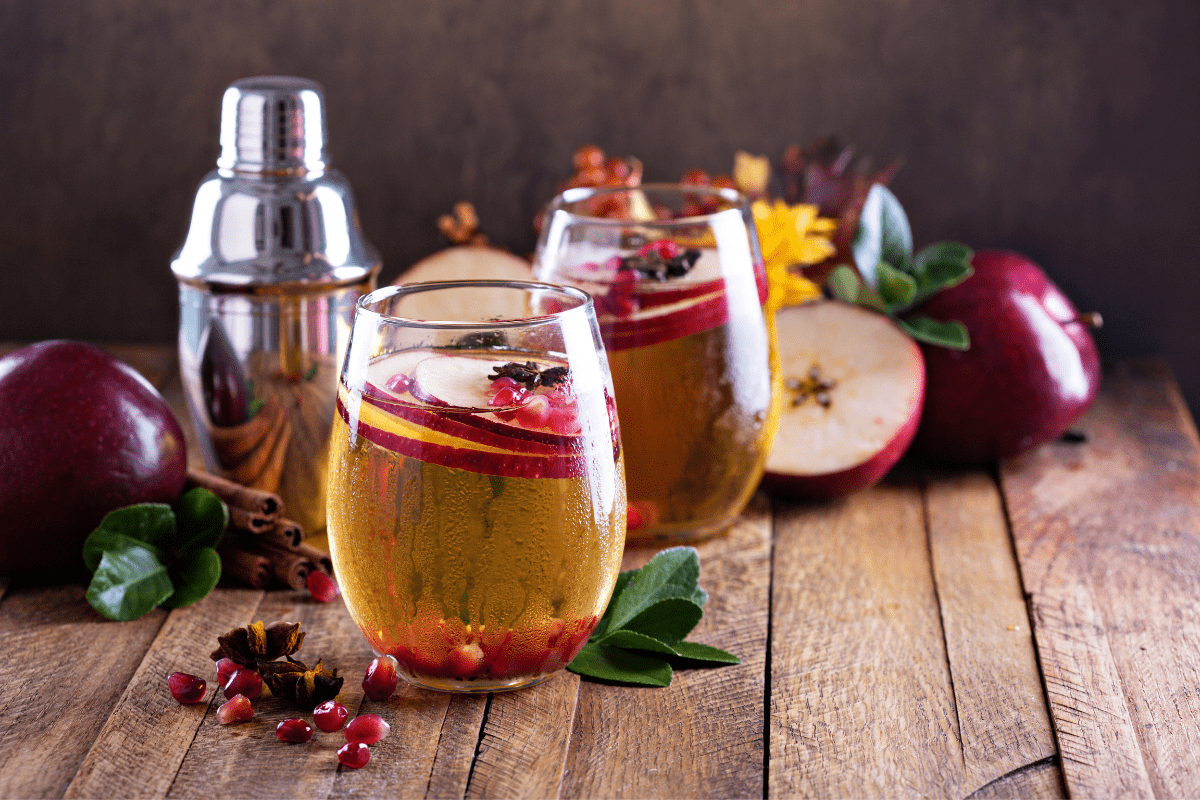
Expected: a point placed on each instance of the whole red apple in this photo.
(81, 433)
(1031, 370)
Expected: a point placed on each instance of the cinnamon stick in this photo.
(265, 504)
(287, 567)
(249, 568)
(286, 533)
(248, 521)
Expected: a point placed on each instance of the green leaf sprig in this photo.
(642, 632)
(151, 554)
(891, 279)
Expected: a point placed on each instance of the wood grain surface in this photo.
(945, 634)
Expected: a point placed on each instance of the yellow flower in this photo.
(792, 236)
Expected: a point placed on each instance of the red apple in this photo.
(854, 384)
(82, 434)
(1031, 370)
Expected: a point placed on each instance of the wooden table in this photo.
(1033, 632)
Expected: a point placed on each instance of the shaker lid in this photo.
(273, 124)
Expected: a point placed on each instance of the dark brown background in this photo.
(1065, 130)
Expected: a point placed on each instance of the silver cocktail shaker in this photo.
(272, 266)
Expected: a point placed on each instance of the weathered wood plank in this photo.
(456, 747)
(247, 760)
(144, 741)
(861, 699)
(1041, 780)
(703, 735)
(64, 668)
(524, 745)
(1003, 720)
(1108, 538)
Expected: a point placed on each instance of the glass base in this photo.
(478, 686)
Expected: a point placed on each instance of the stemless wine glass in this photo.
(679, 287)
(476, 482)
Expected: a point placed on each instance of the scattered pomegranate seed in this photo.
(330, 716)
(185, 688)
(398, 383)
(367, 728)
(322, 587)
(236, 709)
(465, 660)
(354, 755)
(380, 681)
(244, 681)
(664, 247)
(293, 730)
(225, 669)
(534, 411)
(633, 519)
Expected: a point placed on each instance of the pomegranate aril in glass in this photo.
(185, 688)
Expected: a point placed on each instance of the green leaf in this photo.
(941, 252)
(201, 518)
(620, 666)
(633, 640)
(129, 583)
(844, 283)
(942, 275)
(674, 572)
(194, 574)
(622, 581)
(695, 651)
(883, 234)
(944, 334)
(896, 288)
(104, 539)
(669, 620)
(152, 523)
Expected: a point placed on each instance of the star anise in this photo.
(654, 265)
(304, 687)
(257, 643)
(529, 374)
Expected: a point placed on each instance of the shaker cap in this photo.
(273, 124)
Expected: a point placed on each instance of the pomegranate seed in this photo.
(225, 669)
(380, 681)
(589, 155)
(613, 264)
(695, 177)
(322, 587)
(617, 167)
(633, 519)
(398, 383)
(502, 383)
(465, 660)
(293, 730)
(236, 709)
(507, 396)
(244, 681)
(564, 420)
(185, 688)
(534, 412)
(664, 247)
(330, 716)
(354, 755)
(367, 728)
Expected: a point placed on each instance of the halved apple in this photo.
(854, 389)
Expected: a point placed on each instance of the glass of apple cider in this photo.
(679, 286)
(476, 485)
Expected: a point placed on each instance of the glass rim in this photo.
(402, 289)
(577, 194)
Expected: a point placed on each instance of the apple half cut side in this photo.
(854, 390)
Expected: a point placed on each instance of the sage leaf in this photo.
(622, 581)
(201, 518)
(844, 283)
(193, 575)
(931, 331)
(883, 234)
(104, 539)
(940, 275)
(896, 288)
(129, 582)
(152, 523)
(632, 640)
(941, 252)
(669, 620)
(674, 572)
(695, 651)
(620, 666)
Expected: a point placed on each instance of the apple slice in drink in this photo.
(854, 389)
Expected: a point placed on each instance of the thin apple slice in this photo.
(455, 381)
(851, 436)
